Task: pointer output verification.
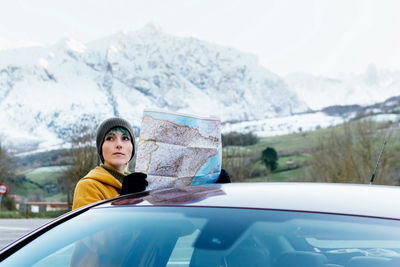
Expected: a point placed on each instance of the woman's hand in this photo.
(223, 177)
(133, 183)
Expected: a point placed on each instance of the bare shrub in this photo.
(240, 163)
(83, 155)
(349, 155)
(7, 165)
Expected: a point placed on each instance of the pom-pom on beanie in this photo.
(108, 125)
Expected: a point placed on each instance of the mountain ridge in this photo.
(47, 88)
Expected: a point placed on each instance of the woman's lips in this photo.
(118, 154)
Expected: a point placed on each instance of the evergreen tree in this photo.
(270, 158)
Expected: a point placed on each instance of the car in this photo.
(237, 224)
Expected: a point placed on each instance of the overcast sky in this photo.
(321, 37)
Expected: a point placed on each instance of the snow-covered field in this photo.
(285, 125)
(297, 123)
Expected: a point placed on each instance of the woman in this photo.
(115, 142)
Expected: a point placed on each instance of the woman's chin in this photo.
(118, 165)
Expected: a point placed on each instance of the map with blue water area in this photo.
(179, 149)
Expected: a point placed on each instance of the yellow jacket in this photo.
(97, 185)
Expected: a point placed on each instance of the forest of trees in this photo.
(239, 139)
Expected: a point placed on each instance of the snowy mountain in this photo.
(388, 111)
(363, 89)
(44, 91)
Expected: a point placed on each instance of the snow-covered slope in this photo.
(367, 88)
(44, 91)
(388, 111)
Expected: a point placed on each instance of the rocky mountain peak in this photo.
(45, 90)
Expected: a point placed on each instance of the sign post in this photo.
(3, 191)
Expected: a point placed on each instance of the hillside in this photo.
(346, 89)
(47, 90)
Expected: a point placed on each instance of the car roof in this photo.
(350, 199)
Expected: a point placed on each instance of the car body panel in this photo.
(345, 199)
(351, 199)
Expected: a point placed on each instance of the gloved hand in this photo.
(223, 177)
(133, 183)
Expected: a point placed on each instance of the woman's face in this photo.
(117, 150)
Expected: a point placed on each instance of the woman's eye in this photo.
(126, 138)
(109, 138)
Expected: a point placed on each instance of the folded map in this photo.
(179, 149)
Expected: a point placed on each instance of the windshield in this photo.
(193, 236)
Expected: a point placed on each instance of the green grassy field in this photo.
(294, 175)
(41, 183)
(292, 142)
(294, 151)
(45, 175)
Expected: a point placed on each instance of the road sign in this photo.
(3, 189)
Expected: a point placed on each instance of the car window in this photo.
(197, 236)
(183, 250)
(61, 258)
(180, 255)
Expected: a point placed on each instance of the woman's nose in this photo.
(118, 143)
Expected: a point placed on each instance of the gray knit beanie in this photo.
(108, 125)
